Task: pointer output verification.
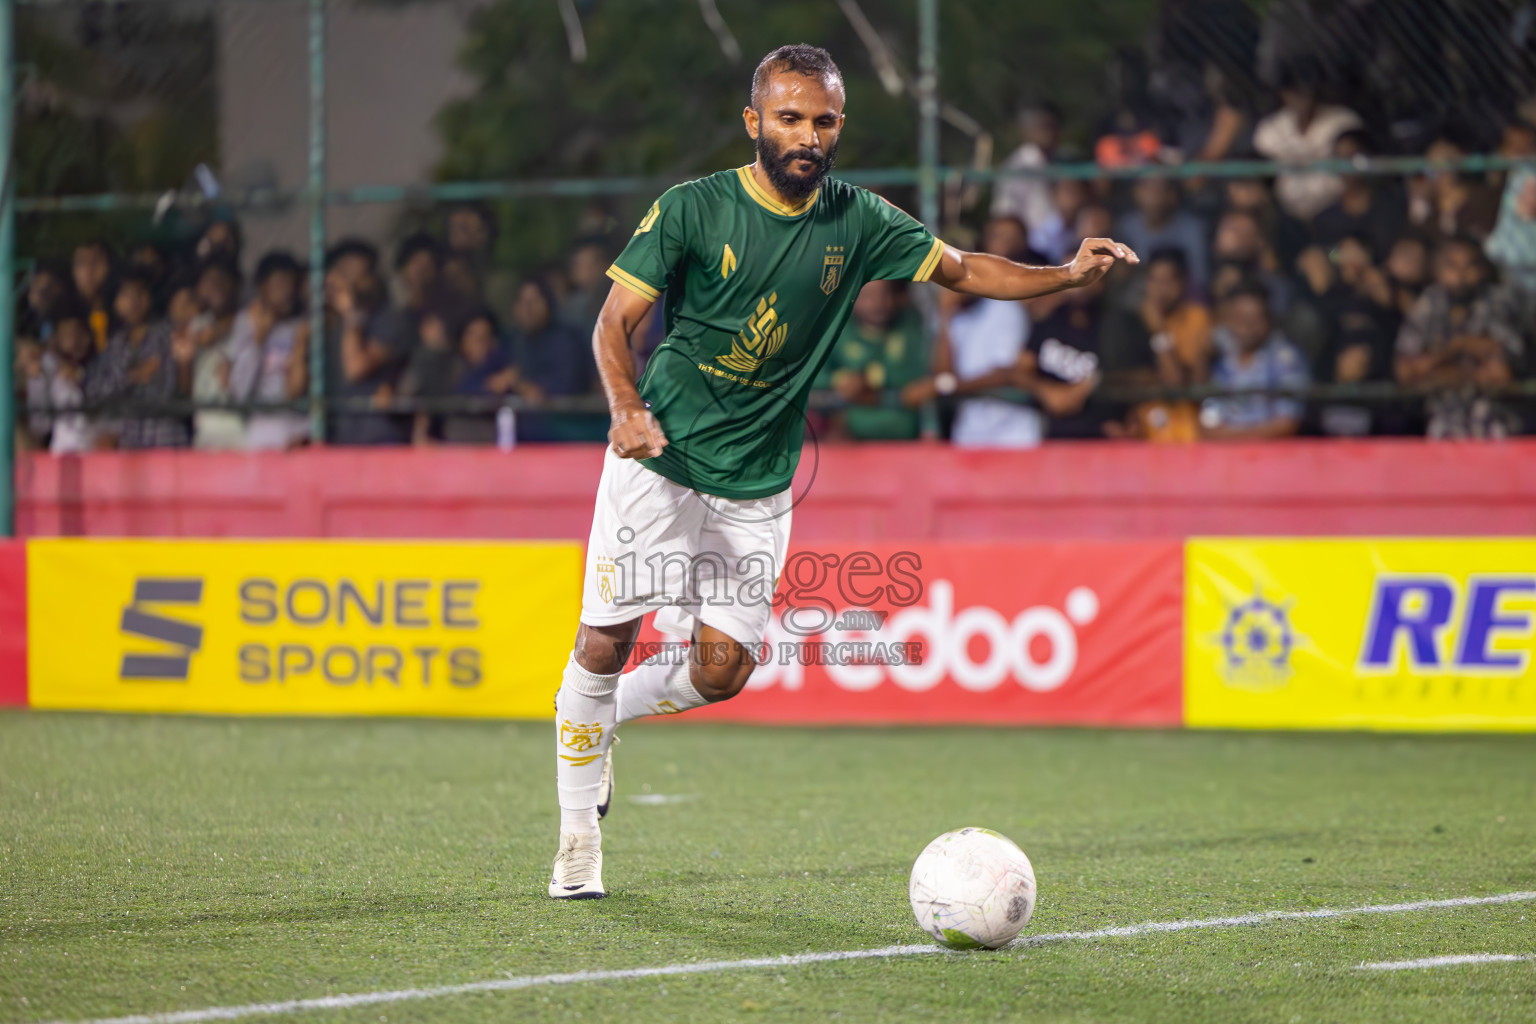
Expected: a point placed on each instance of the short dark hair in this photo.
(1039, 106)
(137, 277)
(53, 268)
(1249, 290)
(479, 209)
(352, 247)
(278, 261)
(419, 242)
(98, 243)
(1174, 257)
(799, 58)
(72, 308)
(180, 281)
(223, 263)
(469, 316)
(1462, 241)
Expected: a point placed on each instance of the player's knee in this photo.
(718, 680)
(602, 650)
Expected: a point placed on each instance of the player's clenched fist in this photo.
(635, 434)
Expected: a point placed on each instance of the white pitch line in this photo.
(1276, 915)
(1445, 961)
(343, 1002)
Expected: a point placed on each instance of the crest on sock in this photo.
(580, 737)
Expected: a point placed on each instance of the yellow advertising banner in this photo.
(1352, 634)
(300, 627)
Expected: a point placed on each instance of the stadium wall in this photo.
(1059, 628)
(885, 492)
(13, 623)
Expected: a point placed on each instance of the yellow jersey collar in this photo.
(767, 202)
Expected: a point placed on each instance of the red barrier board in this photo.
(13, 623)
(1070, 633)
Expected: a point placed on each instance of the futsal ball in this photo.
(972, 889)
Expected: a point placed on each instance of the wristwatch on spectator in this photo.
(945, 383)
(1162, 342)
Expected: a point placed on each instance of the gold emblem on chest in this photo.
(831, 269)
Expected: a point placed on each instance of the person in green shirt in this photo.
(883, 349)
(761, 266)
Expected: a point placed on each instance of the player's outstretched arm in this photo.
(993, 277)
(634, 433)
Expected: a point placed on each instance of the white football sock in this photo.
(584, 711)
(578, 820)
(657, 687)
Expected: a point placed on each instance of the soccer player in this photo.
(761, 266)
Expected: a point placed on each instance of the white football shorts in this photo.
(659, 546)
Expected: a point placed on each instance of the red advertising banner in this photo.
(1070, 633)
(13, 623)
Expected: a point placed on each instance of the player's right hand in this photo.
(635, 434)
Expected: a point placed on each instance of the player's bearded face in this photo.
(781, 166)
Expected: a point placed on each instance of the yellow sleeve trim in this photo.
(633, 283)
(930, 262)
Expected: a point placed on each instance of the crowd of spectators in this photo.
(154, 349)
(1422, 290)
(1417, 295)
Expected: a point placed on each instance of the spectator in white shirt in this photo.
(978, 348)
(55, 383)
(1030, 199)
(1303, 131)
(271, 355)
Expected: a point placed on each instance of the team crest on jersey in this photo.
(759, 341)
(832, 269)
(727, 262)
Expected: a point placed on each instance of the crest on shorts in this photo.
(832, 269)
(607, 574)
(580, 737)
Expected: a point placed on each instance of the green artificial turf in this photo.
(152, 864)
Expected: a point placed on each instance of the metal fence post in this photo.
(928, 112)
(7, 270)
(317, 205)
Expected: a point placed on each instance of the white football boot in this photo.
(605, 787)
(578, 872)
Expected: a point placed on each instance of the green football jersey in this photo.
(757, 295)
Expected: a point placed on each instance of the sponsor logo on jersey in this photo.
(832, 269)
(727, 262)
(181, 639)
(759, 341)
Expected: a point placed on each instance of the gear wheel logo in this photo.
(1257, 641)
